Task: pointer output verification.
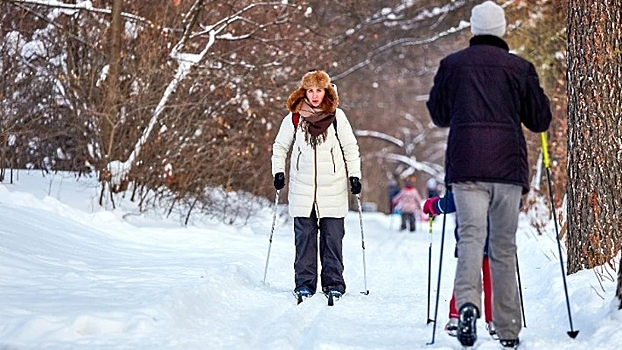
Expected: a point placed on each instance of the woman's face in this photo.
(315, 96)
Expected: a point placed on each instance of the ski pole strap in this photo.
(545, 150)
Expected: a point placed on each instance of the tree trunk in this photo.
(110, 116)
(594, 132)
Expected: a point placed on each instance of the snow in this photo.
(75, 276)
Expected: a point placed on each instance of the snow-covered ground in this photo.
(74, 276)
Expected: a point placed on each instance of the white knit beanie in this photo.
(488, 18)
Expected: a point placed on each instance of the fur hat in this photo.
(314, 79)
(488, 18)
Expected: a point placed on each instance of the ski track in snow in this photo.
(74, 279)
(388, 312)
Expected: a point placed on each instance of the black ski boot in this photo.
(510, 343)
(467, 334)
(333, 296)
(302, 294)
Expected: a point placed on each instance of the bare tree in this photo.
(201, 86)
(179, 94)
(594, 133)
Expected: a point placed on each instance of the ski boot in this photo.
(490, 327)
(467, 333)
(509, 343)
(452, 327)
(333, 295)
(302, 294)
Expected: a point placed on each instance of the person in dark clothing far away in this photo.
(392, 191)
(432, 187)
(324, 159)
(484, 95)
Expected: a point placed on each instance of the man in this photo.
(483, 94)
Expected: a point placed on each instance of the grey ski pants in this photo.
(331, 232)
(477, 202)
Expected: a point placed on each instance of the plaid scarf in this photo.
(315, 123)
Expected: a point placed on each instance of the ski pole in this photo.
(276, 202)
(520, 292)
(358, 200)
(431, 220)
(545, 155)
(440, 266)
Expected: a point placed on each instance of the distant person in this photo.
(409, 201)
(485, 95)
(445, 205)
(432, 187)
(392, 191)
(326, 154)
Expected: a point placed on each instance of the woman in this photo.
(325, 154)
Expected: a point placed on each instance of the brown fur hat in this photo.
(316, 78)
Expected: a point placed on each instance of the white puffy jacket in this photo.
(318, 176)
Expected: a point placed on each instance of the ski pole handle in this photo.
(545, 150)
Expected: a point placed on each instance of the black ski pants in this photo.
(331, 232)
(410, 219)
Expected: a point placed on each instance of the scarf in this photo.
(315, 123)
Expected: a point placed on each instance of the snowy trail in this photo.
(395, 308)
(75, 278)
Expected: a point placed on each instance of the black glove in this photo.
(355, 185)
(279, 180)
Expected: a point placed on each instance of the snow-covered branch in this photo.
(397, 43)
(430, 168)
(185, 63)
(81, 6)
(381, 136)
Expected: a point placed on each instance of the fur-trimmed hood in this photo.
(313, 79)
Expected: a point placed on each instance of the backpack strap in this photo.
(341, 147)
(295, 120)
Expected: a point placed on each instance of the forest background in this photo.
(176, 103)
(208, 80)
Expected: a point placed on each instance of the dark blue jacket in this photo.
(483, 94)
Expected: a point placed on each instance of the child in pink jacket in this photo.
(408, 200)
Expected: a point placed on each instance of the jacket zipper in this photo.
(317, 208)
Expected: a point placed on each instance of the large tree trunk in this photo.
(594, 132)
